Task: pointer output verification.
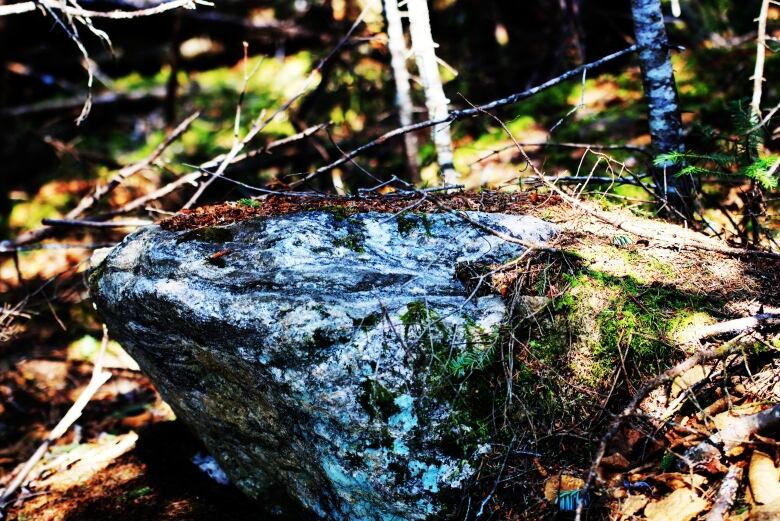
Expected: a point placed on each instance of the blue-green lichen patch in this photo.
(461, 367)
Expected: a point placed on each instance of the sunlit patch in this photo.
(501, 34)
(195, 47)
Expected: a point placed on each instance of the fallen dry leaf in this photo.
(726, 419)
(615, 461)
(678, 480)
(681, 505)
(691, 377)
(764, 478)
(769, 512)
(632, 505)
(561, 483)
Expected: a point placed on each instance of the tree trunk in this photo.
(396, 44)
(675, 194)
(435, 100)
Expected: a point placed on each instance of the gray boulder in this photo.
(322, 358)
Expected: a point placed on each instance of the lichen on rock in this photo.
(313, 361)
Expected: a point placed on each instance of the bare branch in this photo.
(90, 200)
(261, 122)
(75, 223)
(665, 377)
(739, 325)
(461, 114)
(26, 7)
(99, 377)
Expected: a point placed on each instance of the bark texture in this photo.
(427, 65)
(674, 193)
(396, 44)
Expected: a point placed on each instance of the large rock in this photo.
(320, 357)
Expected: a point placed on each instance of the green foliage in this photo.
(668, 460)
(251, 203)
(377, 400)
(460, 375)
(352, 241)
(479, 353)
(633, 327)
(135, 494)
(340, 212)
(215, 234)
(621, 241)
(728, 156)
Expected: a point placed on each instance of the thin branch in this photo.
(99, 377)
(665, 377)
(739, 325)
(76, 223)
(462, 114)
(758, 71)
(89, 201)
(726, 494)
(577, 179)
(624, 224)
(261, 122)
(634, 148)
(118, 14)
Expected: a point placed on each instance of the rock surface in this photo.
(314, 353)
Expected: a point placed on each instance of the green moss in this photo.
(426, 222)
(94, 277)
(355, 237)
(406, 224)
(480, 351)
(634, 323)
(367, 322)
(340, 213)
(684, 325)
(352, 241)
(207, 234)
(377, 400)
(463, 374)
(251, 203)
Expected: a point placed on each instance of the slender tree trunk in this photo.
(675, 194)
(756, 198)
(403, 94)
(758, 70)
(435, 100)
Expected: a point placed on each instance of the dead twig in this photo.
(117, 14)
(99, 377)
(90, 200)
(726, 494)
(76, 223)
(739, 325)
(261, 121)
(455, 115)
(667, 376)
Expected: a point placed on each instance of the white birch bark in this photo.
(758, 71)
(428, 68)
(396, 44)
(675, 193)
